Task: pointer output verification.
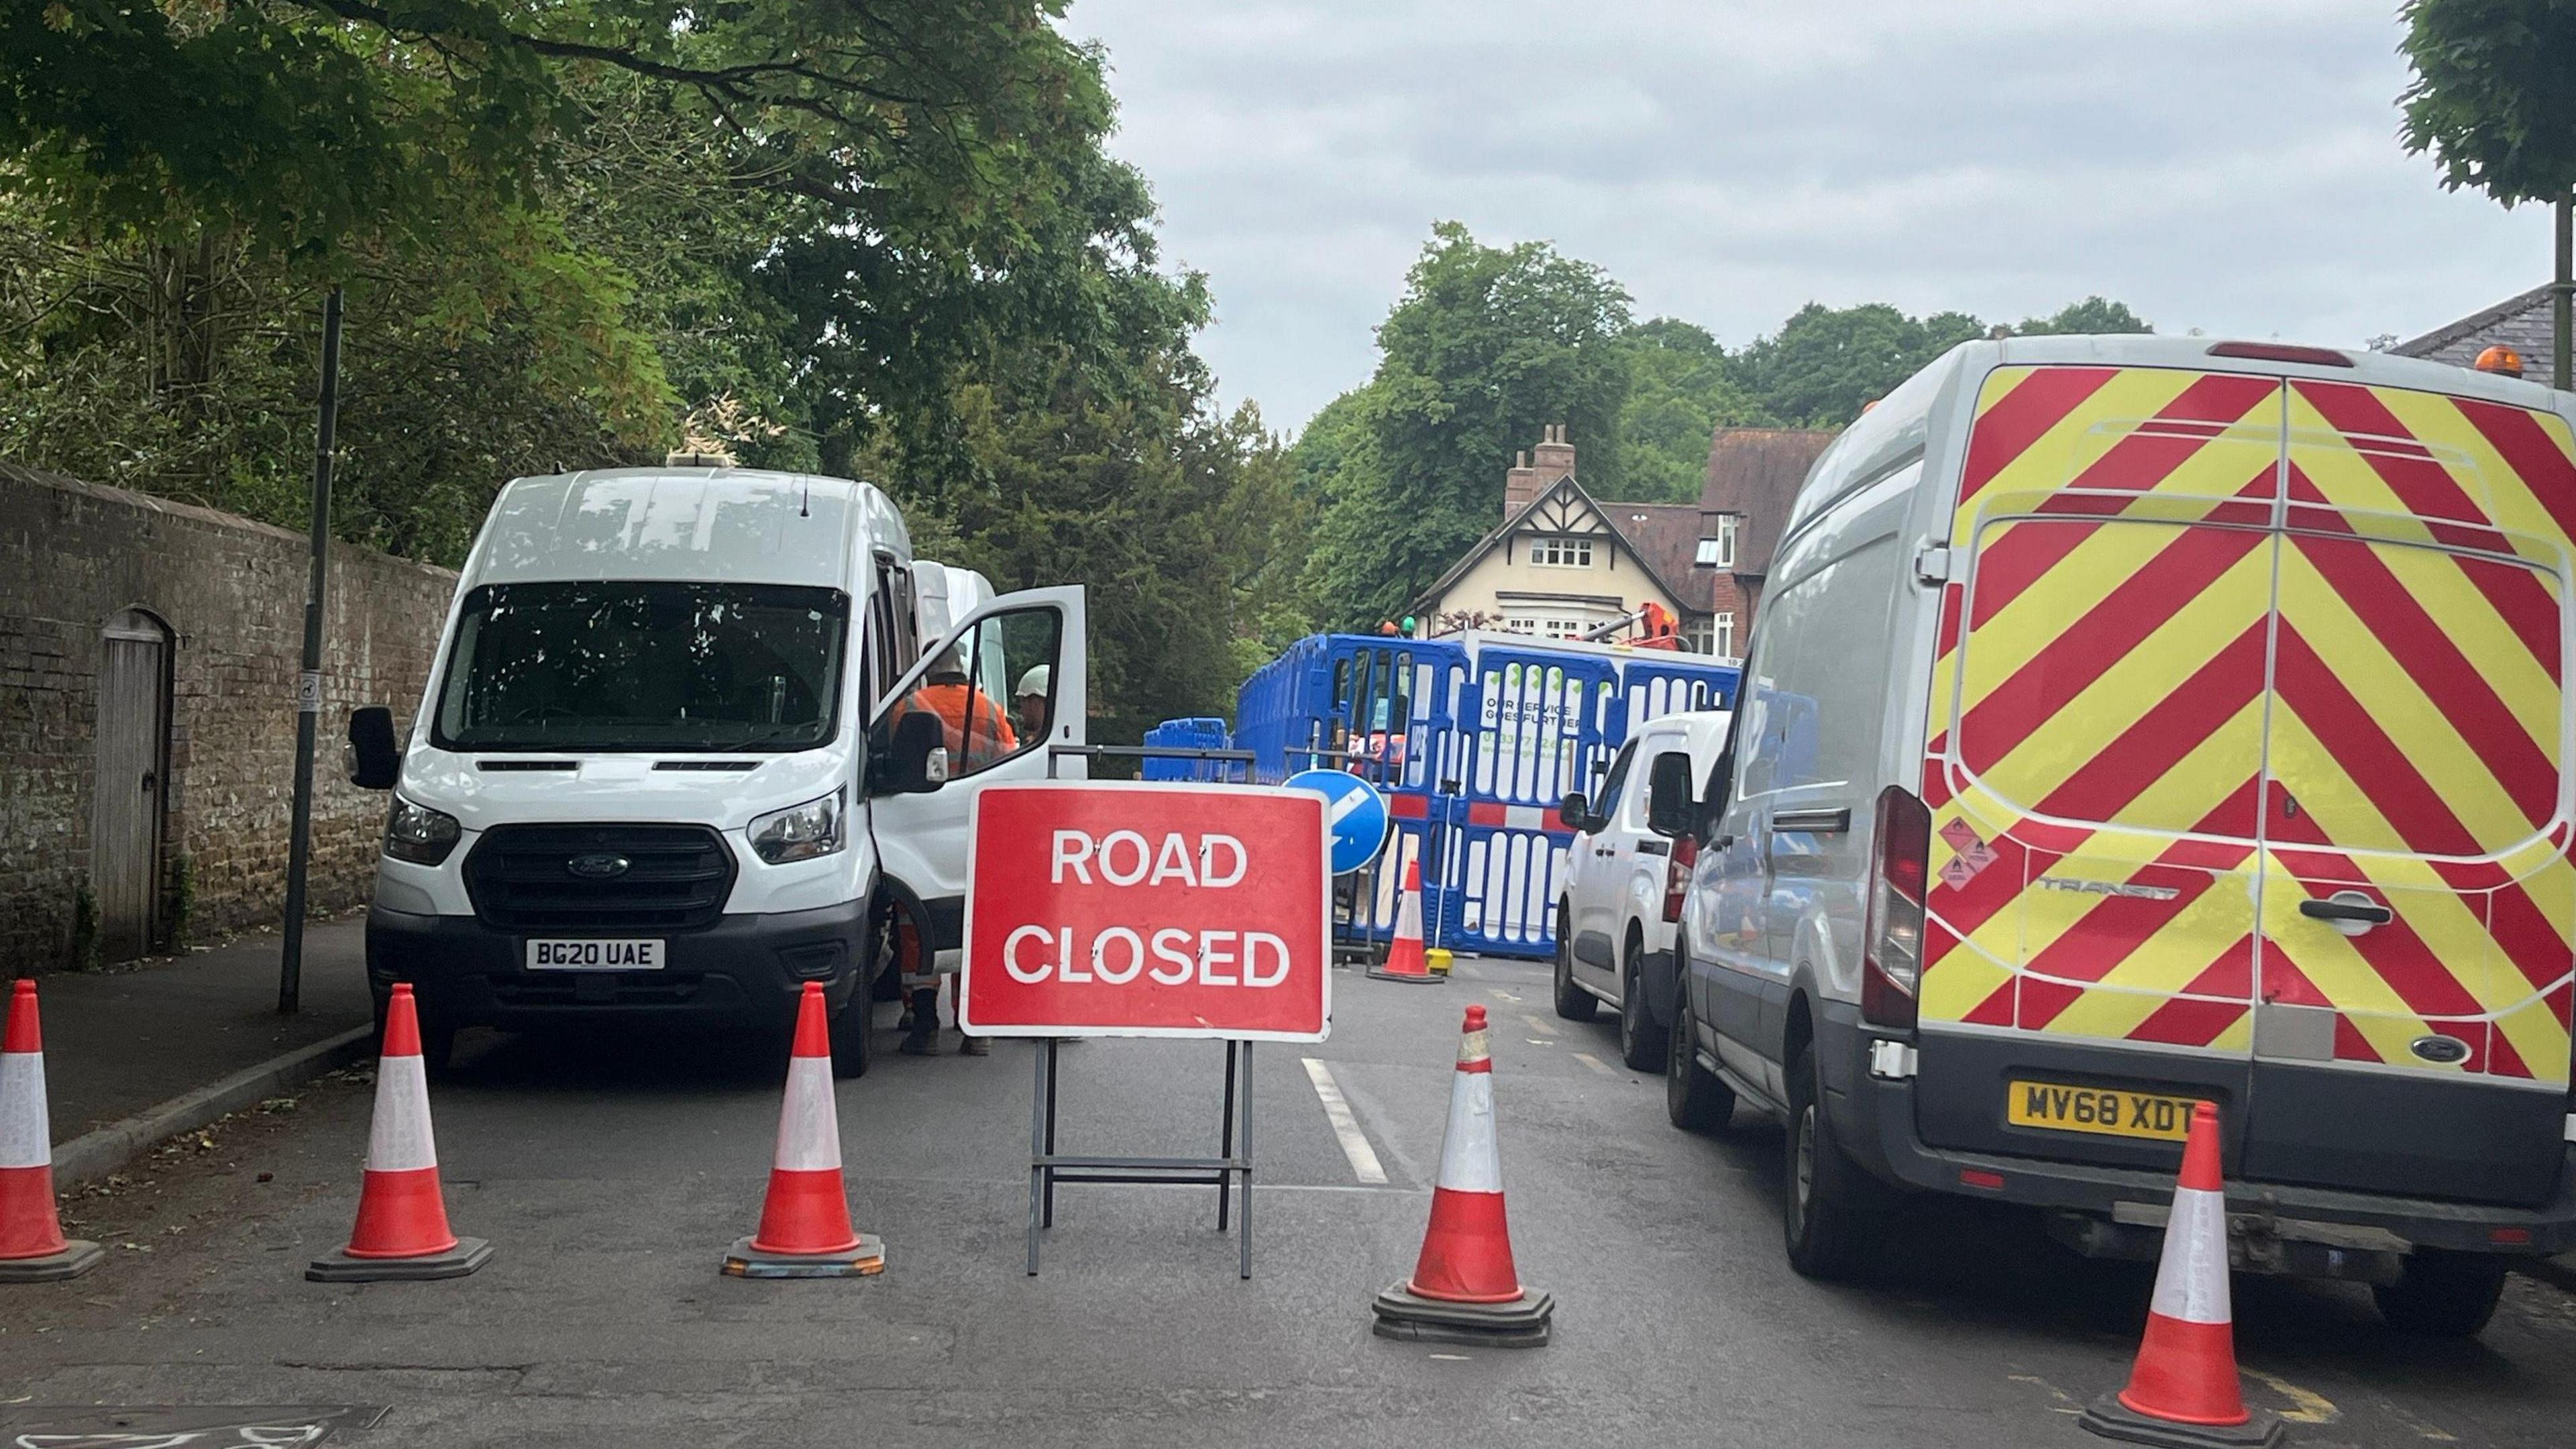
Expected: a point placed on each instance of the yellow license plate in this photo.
(2105, 1110)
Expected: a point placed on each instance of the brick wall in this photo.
(231, 594)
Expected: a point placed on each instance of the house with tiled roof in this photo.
(2523, 323)
(1563, 562)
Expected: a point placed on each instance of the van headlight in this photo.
(419, 834)
(799, 832)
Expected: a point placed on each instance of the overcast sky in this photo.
(2223, 164)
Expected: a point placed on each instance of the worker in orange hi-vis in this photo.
(977, 733)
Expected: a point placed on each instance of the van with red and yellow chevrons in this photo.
(2189, 722)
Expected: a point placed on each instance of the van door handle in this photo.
(2347, 910)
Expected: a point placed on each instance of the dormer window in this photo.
(1561, 553)
(1718, 550)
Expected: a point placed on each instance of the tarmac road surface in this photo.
(611, 1176)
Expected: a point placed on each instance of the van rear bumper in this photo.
(1877, 1126)
(743, 971)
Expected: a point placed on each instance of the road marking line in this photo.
(1498, 991)
(1337, 1110)
(1595, 1063)
(1537, 1025)
(2312, 1407)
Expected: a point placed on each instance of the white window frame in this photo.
(1717, 550)
(1561, 551)
(1721, 635)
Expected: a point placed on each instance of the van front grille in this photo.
(541, 878)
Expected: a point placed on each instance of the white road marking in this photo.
(1595, 1063)
(1337, 1110)
(1538, 1025)
(1498, 991)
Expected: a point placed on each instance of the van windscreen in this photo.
(644, 665)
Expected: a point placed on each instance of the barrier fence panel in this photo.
(1474, 739)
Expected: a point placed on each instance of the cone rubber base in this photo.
(1425, 979)
(76, 1258)
(864, 1261)
(1524, 1323)
(2112, 1419)
(468, 1255)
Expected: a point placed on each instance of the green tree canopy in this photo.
(2494, 94)
(1487, 346)
(1825, 364)
(1681, 390)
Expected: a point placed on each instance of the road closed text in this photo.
(1118, 908)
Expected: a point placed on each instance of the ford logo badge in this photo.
(2443, 1049)
(601, 866)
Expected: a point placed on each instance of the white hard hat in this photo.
(1036, 682)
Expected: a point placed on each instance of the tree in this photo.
(2093, 315)
(1681, 389)
(1487, 346)
(1824, 364)
(2494, 101)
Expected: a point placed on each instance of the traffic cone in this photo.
(805, 1221)
(32, 1246)
(402, 1230)
(1404, 959)
(1464, 1288)
(2183, 1387)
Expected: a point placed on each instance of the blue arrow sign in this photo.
(1353, 811)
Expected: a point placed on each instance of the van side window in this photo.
(891, 637)
(1607, 807)
(993, 691)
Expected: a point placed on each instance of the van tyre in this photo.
(852, 1039)
(1830, 1208)
(1641, 1042)
(1694, 1098)
(1572, 1002)
(2441, 1294)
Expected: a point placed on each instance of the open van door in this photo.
(987, 703)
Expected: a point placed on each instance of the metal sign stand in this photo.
(1047, 1167)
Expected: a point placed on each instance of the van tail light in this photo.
(1892, 961)
(2281, 352)
(1677, 876)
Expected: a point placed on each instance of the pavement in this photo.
(612, 1173)
(125, 1040)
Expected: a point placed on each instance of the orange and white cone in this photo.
(805, 1221)
(402, 1231)
(32, 1246)
(1404, 959)
(1464, 1286)
(2183, 1388)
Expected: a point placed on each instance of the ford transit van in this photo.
(682, 751)
(2136, 721)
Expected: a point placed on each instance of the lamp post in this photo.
(308, 688)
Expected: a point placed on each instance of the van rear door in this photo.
(2094, 763)
(2411, 1034)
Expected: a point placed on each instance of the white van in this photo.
(1623, 886)
(2137, 721)
(682, 752)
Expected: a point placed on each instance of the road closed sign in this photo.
(1105, 908)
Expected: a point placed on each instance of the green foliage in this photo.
(1681, 390)
(2096, 316)
(1487, 346)
(1824, 365)
(2494, 94)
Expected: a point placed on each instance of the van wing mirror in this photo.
(1572, 811)
(1670, 803)
(914, 760)
(375, 756)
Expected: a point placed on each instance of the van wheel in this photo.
(1828, 1203)
(1694, 1098)
(852, 1039)
(2442, 1294)
(1572, 1001)
(1641, 1042)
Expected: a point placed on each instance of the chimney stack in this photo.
(1534, 472)
(1520, 485)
